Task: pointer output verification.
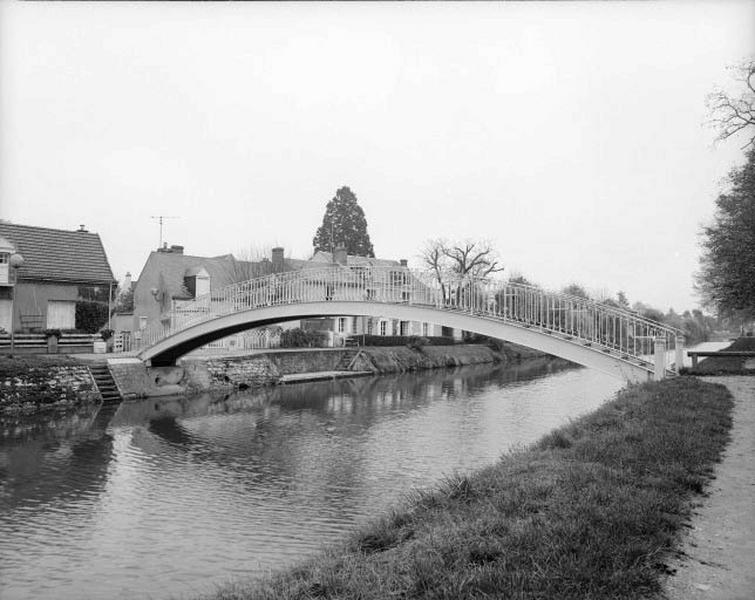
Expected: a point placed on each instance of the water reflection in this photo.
(157, 498)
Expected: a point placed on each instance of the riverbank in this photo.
(275, 366)
(717, 559)
(42, 383)
(591, 511)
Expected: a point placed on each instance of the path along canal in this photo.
(169, 498)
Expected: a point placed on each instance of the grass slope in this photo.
(590, 511)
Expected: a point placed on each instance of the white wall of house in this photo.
(202, 283)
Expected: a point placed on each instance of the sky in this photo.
(571, 136)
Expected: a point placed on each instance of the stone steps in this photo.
(105, 383)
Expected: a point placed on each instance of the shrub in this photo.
(300, 338)
(90, 315)
(402, 340)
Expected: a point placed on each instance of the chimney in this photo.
(177, 249)
(126, 285)
(277, 255)
(83, 229)
(403, 262)
(339, 256)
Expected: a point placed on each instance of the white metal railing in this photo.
(584, 321)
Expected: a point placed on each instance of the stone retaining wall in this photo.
(265, 369)
(236, 372)
(26, 387)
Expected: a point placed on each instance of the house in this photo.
(171, 285)
(45, 273)
(343, 327)
(171, 280)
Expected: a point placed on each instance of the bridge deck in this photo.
(579, 329)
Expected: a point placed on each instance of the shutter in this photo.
(61, 314)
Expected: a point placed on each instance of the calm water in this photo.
(161, 499)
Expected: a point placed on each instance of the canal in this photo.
(174, 497)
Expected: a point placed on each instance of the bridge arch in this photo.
(168, 350)
(596, 335)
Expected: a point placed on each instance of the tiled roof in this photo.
(322, 257)
(59, 255)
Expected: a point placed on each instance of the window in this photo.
(142, 322)
(398, 278)
(370, 326)
(425, 329)
(404, 328)
(341, 324)
(4, 258)
(354, 324)
(382, 327)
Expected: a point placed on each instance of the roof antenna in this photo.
(160, 218)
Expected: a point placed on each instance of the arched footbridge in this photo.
(594, 334)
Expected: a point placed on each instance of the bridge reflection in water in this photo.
(162, 498)
(595, 334)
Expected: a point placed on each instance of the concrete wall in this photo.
(135, 380)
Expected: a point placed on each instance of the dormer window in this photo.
(197, 282)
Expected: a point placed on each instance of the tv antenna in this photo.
(160, 219)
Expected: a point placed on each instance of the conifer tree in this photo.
(344, 224)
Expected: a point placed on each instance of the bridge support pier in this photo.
(660, 358)
(679, 354)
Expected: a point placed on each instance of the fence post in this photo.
(660, 358)
(679, 352)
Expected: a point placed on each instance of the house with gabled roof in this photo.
(343, 327)
(45, 272)
(170, 280)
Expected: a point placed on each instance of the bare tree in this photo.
(453, 261)
(732, 114)
(461, 259)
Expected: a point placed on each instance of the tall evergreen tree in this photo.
(344, 224)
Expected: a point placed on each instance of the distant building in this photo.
(343, 327)
(171, 280)
(59, 268)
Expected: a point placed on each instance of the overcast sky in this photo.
(570, 135)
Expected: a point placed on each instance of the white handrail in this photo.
(609, 328)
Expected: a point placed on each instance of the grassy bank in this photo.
(588, 512)
(728, 365)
